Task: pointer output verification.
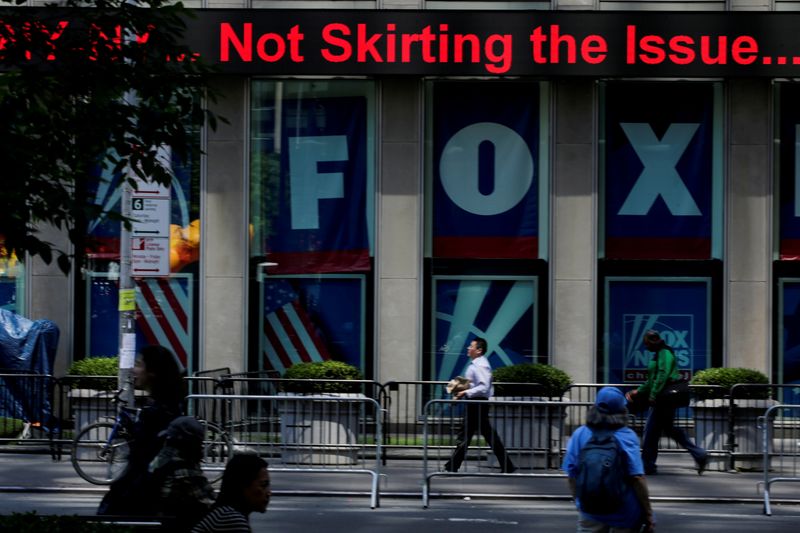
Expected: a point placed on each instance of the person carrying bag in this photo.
(665, 390)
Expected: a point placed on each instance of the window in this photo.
(486, 224)
(312, 189)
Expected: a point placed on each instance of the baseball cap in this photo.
(184, 429)
(610, 400)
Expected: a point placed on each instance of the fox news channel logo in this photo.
(676, 330)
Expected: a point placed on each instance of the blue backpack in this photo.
(601, 481)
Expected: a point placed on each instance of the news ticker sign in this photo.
(485, 43)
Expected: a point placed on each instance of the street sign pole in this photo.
(127, 303)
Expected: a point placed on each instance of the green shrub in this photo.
(727, 378)
(321, 370)
(95, 366)
(10, 427)
(550, 380)
(33, 523)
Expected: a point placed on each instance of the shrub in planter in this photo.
(530, 379)
(10, 427)
(727, 378)
(321, 370)
(95, 366)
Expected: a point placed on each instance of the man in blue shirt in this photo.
(479, 374)
(610, 412)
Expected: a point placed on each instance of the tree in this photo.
(88, 85)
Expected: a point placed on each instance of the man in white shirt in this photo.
(479, 374)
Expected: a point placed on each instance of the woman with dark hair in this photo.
(159, 372)
(662, 371)
(245, 489)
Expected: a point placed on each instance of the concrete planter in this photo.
(320, 431)
(530, 433)
(711, 431)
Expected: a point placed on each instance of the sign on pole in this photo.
(150, 211)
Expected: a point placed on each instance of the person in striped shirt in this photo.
(245, 489)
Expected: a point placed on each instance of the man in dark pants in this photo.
(476, 418)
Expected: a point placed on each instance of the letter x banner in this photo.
(659, 171)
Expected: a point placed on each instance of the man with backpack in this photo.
(604, 467)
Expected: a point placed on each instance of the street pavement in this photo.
(314, 501)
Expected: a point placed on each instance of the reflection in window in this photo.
(166, 308)
(12, 281)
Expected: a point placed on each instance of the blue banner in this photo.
(316, 205)
(501, 310)
(789, 195)
(485, 171)
(789, 352)
(678, 309)
(659, 171)
(312, 319)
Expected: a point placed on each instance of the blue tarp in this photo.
(26, 347)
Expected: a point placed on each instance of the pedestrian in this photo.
(620, 501)
(184, 493)
(158, 372)
(476, 418)
(245, 489)
(662, 372)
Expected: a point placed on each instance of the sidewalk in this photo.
(677, 480)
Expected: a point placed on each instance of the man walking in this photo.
(479, 374)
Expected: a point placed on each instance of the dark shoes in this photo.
(510, 469)
(701, 465)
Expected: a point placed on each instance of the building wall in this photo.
(399, 299)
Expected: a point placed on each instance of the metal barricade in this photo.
(780, 431)
(27, 408)
(297, 433)
(532, 433)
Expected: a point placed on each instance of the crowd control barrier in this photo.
(333, 433)
(780, 430)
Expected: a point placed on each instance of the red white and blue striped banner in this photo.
(164, 309)
(164, 315)
(288, 335)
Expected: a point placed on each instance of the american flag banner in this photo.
(164, 313)
(288, 335)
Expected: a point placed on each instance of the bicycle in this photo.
(100, 450)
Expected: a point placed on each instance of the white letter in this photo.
(308, 185)
(659, 177)
(513, 168)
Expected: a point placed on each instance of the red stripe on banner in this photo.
(311, 330)
(294, 338)
(174, 304)
(658, 248)
(486, 247)
(273, 340)
(162, 321)
(790, 249)
(319, 262)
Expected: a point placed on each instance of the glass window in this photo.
(166, 307)
(486, 222)
(12, 281)
(312, 191)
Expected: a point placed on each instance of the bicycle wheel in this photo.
(217, 449)
(96, 458)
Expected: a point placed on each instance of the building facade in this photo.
(386, 219)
